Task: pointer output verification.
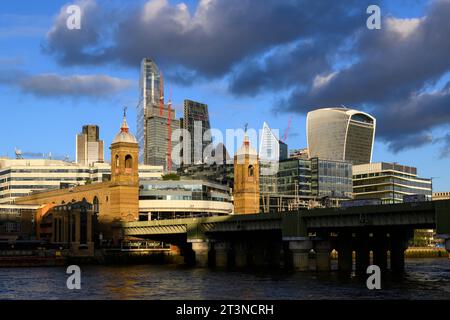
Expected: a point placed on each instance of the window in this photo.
(250, 171)
(96, 205)
(128, 161)
(117, 160)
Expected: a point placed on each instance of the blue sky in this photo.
(250, 63)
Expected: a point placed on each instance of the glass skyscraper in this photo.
(340, 134)
(152, 127)
(196, 122)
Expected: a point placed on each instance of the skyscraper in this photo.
(271, 148)
(196, 122)
(152, 117)
(89, 148)
(340, 134)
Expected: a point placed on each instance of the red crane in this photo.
(286, 132)
(161, 94)
(169, 132)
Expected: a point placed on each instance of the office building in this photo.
(183, 198)
(331, 179)
(308, 183)
(299, 153)
(21, 177)
(340, 134)
(153, 116)
(389, 182)
(271, 152)
(89, 147)
(271, 148)
(196, 122)
(16, 222)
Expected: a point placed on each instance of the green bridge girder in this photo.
(433, 214)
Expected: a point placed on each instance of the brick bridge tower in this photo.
(124, 175)
(246, 179)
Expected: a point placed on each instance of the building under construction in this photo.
(155, 120)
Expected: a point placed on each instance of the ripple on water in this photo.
(424, 279)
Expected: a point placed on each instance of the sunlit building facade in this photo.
(340, 134)
(389, 182)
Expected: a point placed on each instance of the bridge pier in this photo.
(240, 254)
(398, 247)
(345, 252)
(380, 248)
(201, 249)
(322, 248)
(258, 255)
(275, 254)
(300, 253)
(362, 252)
(221, 250)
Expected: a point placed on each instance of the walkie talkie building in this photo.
(340, 134)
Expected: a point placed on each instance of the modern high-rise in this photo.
(271, 148)
(153, 117)
(89, 147)
(196, 122)
(340, 134)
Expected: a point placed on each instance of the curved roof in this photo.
(124, 135)
(246, 148)
(354, 114)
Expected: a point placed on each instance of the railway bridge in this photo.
(288, 238)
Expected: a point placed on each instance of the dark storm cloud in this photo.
(210, 41)
(320, 51)
(393, 68)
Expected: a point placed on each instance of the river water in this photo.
(424, 279)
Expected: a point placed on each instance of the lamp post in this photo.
(393, 182)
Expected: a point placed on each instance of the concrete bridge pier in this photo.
(201, 249)
(221, 250)
(399, 243)
(300, 249)
(258, 255)
(362, 252)
(275, 254)
(345, 252)
(380, 249)
(322, 248)
(240, 254)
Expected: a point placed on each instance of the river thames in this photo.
(424, 279)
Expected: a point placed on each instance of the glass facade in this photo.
(340, 134)
(184, 190)
(196, 116)
(331, 179)
(300, 181)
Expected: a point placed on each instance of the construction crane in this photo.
(286, 132)
(161, 94)
(169, 132)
